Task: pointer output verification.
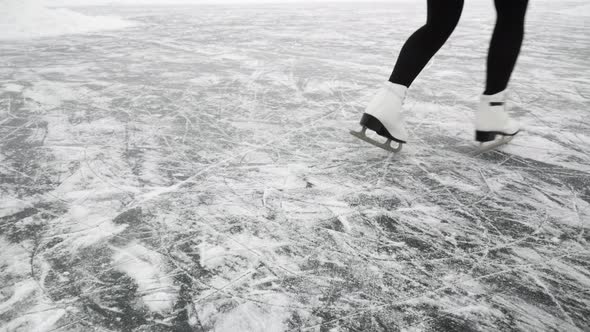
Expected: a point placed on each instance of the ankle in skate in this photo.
(383, 115)
(492, 119)
(386, 109)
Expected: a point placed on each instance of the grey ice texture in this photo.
(194, 172)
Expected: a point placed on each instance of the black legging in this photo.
(443, 16)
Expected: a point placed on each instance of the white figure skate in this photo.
(383, 115)
(492, 120)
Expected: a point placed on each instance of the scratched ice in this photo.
(193, 172)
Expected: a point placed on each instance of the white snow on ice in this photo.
(147, 269)
(24, 19)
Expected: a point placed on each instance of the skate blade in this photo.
(486, 147)
(385, 146)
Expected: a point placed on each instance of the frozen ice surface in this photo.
(195, 173)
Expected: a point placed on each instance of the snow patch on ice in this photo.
(11, 87)
(30, 19)
(255, 317)
(20, 291)
(146, 267)
(451, 181)
(240, 246)
(498, 182)
(95, 197)
(544, 150)
(342, 212)
(14, 260)
(10, 206)
(43, 316)
(52, 94)
(93, 225)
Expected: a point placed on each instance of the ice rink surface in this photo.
(194, 172)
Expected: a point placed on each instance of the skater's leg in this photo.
(442, 18)
(383, 114)
(505, 43)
